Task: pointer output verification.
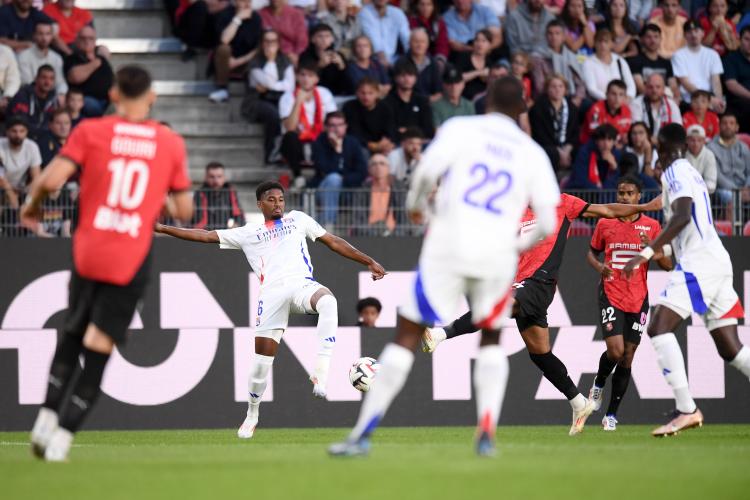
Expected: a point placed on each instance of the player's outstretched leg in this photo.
(257, 381)
(328, 321)
(620, 382)
(395, 364)
(431, 337)
(490, 380)
(729, 346)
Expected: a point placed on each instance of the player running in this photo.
(128, 164)
(535, 284)
(489, 170)
(278, 255)
(701, 282)
(623, 303)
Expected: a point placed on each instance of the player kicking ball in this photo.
(128, 164)
(623, 303)
(278, 255)
(702, 282)
(489, 171)
(535, 285)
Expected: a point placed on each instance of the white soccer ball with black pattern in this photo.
(362, 373)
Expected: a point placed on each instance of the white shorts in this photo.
(277, 301)
(711, 296)
(437, 291)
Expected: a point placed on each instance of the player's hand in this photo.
(632, 265)
(377, 271)
(158, 228)
(416, 216)
(605, 271)
(30, 216)
(645, 241)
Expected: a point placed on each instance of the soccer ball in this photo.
(363, 372)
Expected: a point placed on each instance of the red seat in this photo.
(744, 138)
(723, 227)
(746, 229)
(580, 228)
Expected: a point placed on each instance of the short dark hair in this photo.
(485, 32)
(44, 67)
(133, 81)
(58, 112)
(603, 33)
(412, 133)
(266, 186)
(74, 90)
(605, 131)
(320, 27)
(213, 165)
(334, 114)
(17, 120)
(744, 30)
(729, 112)
(505, 94)
(369, 302)
(650, 27)
(307, 64)
(673, 134)
(555, 23)
(368, 80)
(405, 66)
(631, 179)
(701, 93)
(43, 23)
(617, 83)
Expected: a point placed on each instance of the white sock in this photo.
(395, 365)
(578, 402)
(672, 364)
(742, 361)
(256, 384)
(490, 380)
(328, 322)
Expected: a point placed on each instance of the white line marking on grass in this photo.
(21, 443)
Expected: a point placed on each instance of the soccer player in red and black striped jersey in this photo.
(128, 165)
(623, 303)
(535, 284)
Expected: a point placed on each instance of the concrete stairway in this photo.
(138, 31)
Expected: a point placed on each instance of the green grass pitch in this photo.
(406, 463)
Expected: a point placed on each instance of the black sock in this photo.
(85, 391)
(554, 370)
(606, 366)
(461, 326)
(620, 381)
(64, 366)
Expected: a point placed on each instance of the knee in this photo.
(97, 341)
(490, 337)
(727, 352)
(223, 51)
(327, 305)
(616, 353)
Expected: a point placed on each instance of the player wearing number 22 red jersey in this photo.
(128, 165)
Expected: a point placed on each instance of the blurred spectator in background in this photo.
(452, 103)
(624, 31)
(346, 27)
(404, 159)
(519, 68)
(732, 159)
(554, 123)
(526, 27)
(239, 31)
(640, 145)
(423, 14)
(370, 119)
(19, 155)
(387, 28)
(302, 112)
(671, 22)
(698, 67)
(429, 80)
(195, 23)
(654, 107)
(17, 22)
(612, 110)
(579, 30)
(596, 164)
(88, 68)
(365, 64)
(10, 77)
(640, 11)
(409, 108)
(604, 66)
(699, 114)
(720, 32)
(70, 19)
(331, 64)
(290, 24)
(50, 141)
(271, 74)
(38, 55)
(368, 311)
(498, 69)
(36, 101)
(557, 58)
(383, 202)
(475, 65)
(339, 163)
(464, 20)
(216, 202)
(58, 212)
(74, 105)
(648, 62)
(737, 79)
(700, 157)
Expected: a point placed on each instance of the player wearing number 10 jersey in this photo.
(128, 165)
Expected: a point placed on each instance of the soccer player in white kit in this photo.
(277, 253)
(702, 281)
(488, 172)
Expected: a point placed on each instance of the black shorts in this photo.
(615, 321)
(109, 307)
(533, 298)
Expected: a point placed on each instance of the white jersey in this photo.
(489, 172)
(698, 248)
(276, 250)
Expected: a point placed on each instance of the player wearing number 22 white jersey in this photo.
(487, 172)
(277, 252)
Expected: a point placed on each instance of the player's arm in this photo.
(592, 257)
(615, 210)
(662, 257)
(50, 180)
(198, 235)
(680, 219)
(345, 249)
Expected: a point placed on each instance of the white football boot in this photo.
(45, 425)
(609, 423)
(596, 394)
(247, 429)
(59, 446)
(579, 418)
(431, 337)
